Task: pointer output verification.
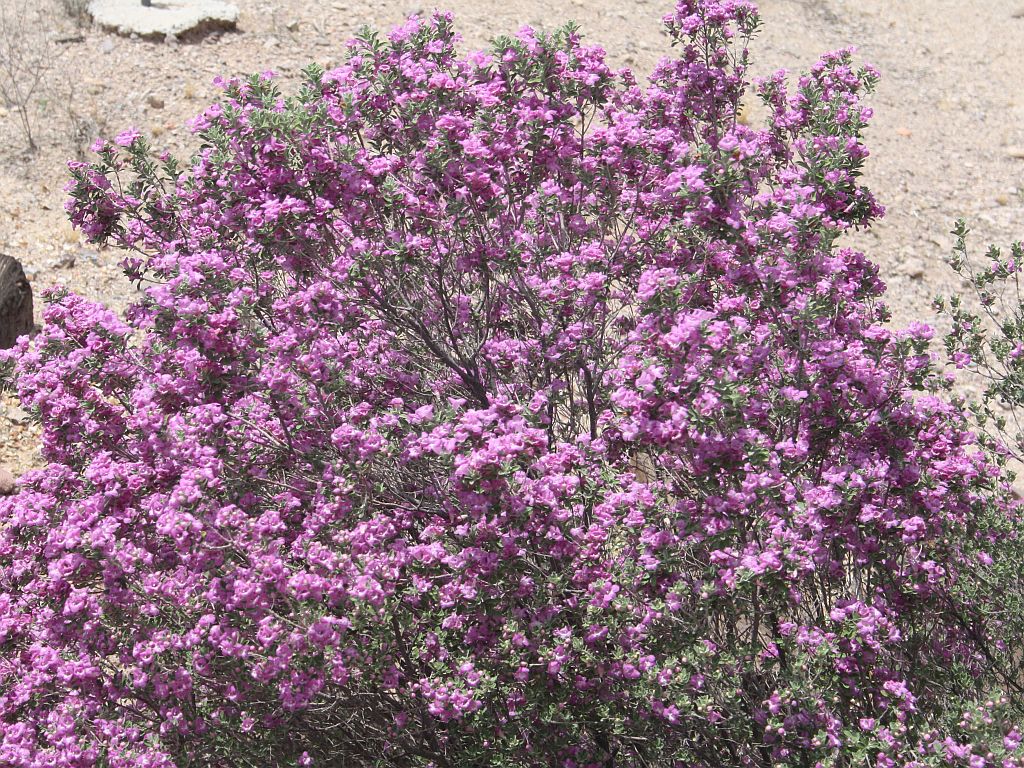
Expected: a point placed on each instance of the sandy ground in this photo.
(946, 141)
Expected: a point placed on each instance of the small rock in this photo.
(904, 132)
(913, 268)
(293, 26)
(7, 482)
(155, 101)
(1016, 153)
(17, 415)
(271, 42)
(171, 39)
(107, 46)
(1002, 199)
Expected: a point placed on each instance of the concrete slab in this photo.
(163, 18)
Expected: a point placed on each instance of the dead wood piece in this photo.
(15, 302)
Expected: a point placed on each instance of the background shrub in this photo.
(499, 410)
(28, 58)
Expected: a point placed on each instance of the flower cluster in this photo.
(500, 410)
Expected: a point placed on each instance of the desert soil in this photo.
(947, 140)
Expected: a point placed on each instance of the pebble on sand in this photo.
(7, 482)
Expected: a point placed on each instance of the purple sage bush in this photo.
(502, 411)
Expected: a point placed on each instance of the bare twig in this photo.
(27, 56)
